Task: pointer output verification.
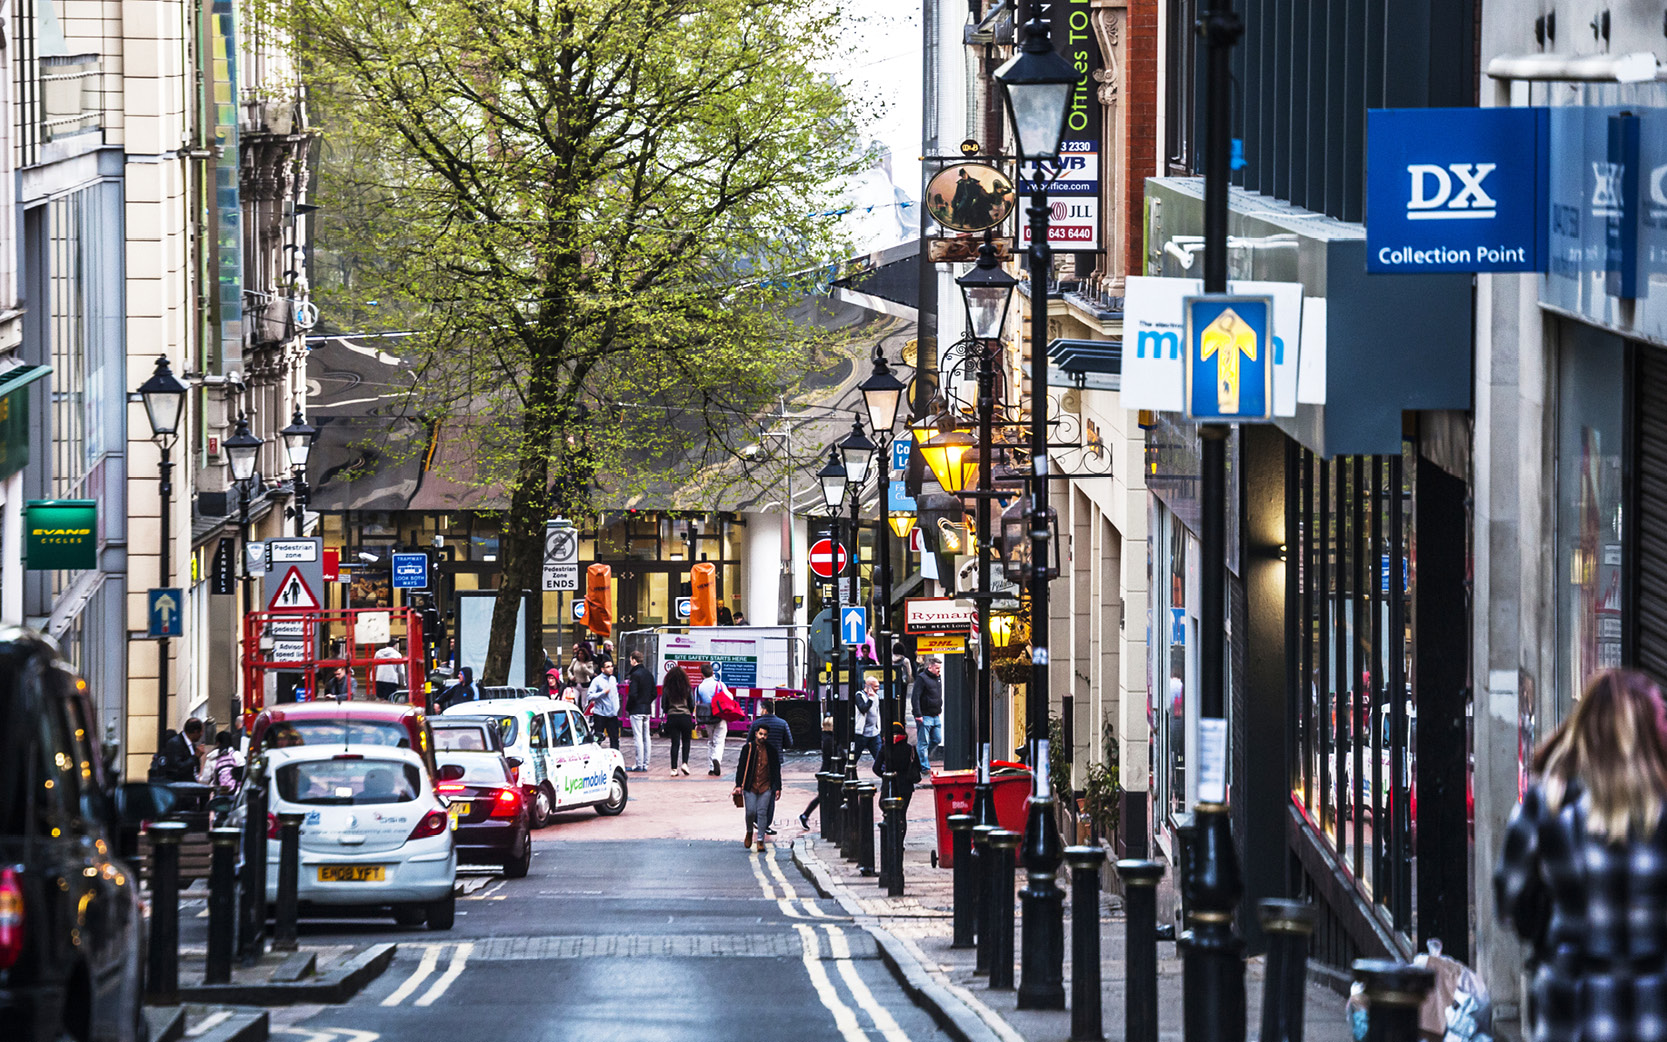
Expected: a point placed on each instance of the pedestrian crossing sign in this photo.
(1229, 374)
(293, 594)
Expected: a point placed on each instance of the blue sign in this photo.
(1615, 200)
(738, 673)
(1456, 189)
(1229, 374)
(165, 608)
(900, 449)
(898, 500)
(853, 625)
(685, 607)
(410, 571)
(1177, 626)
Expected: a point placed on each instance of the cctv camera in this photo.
(367, 558)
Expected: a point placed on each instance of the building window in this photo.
(1180, 87)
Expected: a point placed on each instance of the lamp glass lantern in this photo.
(987, 291)
(902, 523)
(833, 479)
(241, 450)
(946, 453)
(298, 440)
(1005, 628)
(857, 451)
(940, 517)
(164, 398)
(882, 393)
(1015, 541)
(1037, 84)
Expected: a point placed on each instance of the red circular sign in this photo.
(821, 558)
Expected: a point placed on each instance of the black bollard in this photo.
(1393, 993)
(162, 980)
(1002, 845)
(981, 876)
(826, 803)
(251, 927)
(1140, 913)
(289, 881)
(850, 834)
(865, 823)
(1212, 955)
(966, 899)
(891, 873)
(1085, 865)
(222, 905)
(1288, 925)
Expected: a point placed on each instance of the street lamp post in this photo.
(856, 451)
(833, 479)
(164, 399)
(298, 445)
(1037, 84)
(882, 393)
(242, 449)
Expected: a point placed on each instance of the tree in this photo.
(591, 211)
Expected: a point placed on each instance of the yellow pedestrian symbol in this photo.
(1225, 338)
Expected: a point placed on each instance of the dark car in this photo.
(71, 932)
(490, 810)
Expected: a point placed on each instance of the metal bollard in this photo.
(1002, 845)
(966, 900)
(1140, 912)
(981, 873)
(825, 804)
(1394, 991)
(1288, 925)
(849, 833)
(1085, 865)
(891, 869)
(1212, 954)
(222, 905)
(865, 825)
(289, 881)
(251, 929)
(162, 980)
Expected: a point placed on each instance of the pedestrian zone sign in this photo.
(293, 594)
(164, 605)
(1229, 375)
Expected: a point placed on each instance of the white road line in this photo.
(843, 1017)
(459, 960)
(883, 1021)
(210, 1022)
(430, 959)
(758, 874)
(807, 903)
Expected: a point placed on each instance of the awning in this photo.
(1096, 364)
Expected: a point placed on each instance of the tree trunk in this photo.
(521, 557)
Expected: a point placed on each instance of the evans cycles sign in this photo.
(1456, 190)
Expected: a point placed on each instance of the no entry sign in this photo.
(822, 558)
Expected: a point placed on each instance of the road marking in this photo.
(430, 959)
(763, 884)
(864, 998)
(210, 1022)
(807, 903)
(459, 960)
(843, 1017)
(328, 1034)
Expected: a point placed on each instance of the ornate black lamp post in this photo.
(298, 445)
(833, 479)
(1036, 84)
(242, 449)
(164, 398)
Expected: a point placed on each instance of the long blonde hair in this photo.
(1613, 745)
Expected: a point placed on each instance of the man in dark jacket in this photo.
(639, 705)
(927, 700)
(179, 759)
(781, 736)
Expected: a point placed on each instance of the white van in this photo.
(563, 766)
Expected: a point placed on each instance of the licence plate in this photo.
(460, 809)
(351, 873)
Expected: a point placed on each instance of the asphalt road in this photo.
(629, 928)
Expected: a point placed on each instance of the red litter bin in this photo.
(952, 794)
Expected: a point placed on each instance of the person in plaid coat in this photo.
(1582, 876)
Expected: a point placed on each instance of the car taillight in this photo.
(449, 787)
(11, 918)
(507, 805)
(433, 823)
(271, 826)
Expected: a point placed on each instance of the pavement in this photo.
(915, 931)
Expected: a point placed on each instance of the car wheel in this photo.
(544, 805)
(618, 793)
(410, 915)
(442, 913)
(517, 869)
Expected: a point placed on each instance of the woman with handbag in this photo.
(1582, 874)
(677, 701)
(758, 785)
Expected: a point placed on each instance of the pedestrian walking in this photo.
(1582, 875)
(926, 700)
(902, 671)
(828, 749)
(677, 702)
(224, 767)
(868, 718)
(639, 705)
(463, 690)
(781, 735)
(181, 757)
(605, 653)
(902, 761)
(715, 695)
(387, 672)
(339, 683)
(582, 669)
(602, 702)
(758, 783)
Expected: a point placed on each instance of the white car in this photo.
(563, 766)
(375, 833)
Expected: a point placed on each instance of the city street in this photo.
(652, 925)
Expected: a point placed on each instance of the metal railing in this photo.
(70, 97)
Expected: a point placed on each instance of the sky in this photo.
(886, 66)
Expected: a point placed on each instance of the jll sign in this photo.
(1074, 188)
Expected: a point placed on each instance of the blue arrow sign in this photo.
(853, 625)
(167, 619)
(685, 607)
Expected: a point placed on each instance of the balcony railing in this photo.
(70, 99)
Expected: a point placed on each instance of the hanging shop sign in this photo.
(14, 416)
(969, 197)
(1456, 189)
(60, 534)
(927, 616)
(1073, 185)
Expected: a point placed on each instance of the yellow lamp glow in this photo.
(946, 454)
(1003, 629)
(902, 523)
